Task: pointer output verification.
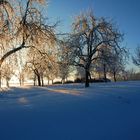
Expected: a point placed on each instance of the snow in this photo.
(104, 111)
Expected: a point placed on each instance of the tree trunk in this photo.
(114, 75)
(86, 78)
(105, 73)
(42, 81)
(34, 79)
(20, 81)
(7, 83)
(39, 80)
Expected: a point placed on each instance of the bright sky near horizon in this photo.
(126, 14)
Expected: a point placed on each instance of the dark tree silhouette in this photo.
(136, 58)
(90, 34)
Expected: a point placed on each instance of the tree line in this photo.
(31, 47)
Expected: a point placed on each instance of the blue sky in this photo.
(124, 12)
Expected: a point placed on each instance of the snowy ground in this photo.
(70, 112)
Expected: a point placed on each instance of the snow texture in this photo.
(104, 111)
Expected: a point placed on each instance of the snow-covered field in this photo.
(105, 111)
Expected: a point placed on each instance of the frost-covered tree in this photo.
(42, 62)
(64, 60)
(22, 24)
(7, 72)
(117, 63)
(103, 60)
(36, 64)
(112, 61)
(89, 34)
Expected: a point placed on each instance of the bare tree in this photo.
(117, 63)
(112, 61)
(41, 60)
(8, 69)
(104, 59)
(89, 35)
(64, 57)
(35, 64)
(7, 73)
(136, 58)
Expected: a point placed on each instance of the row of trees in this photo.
(95, 44)
(23, 25)
(30, 47)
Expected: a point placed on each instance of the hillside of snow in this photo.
(104, 111)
